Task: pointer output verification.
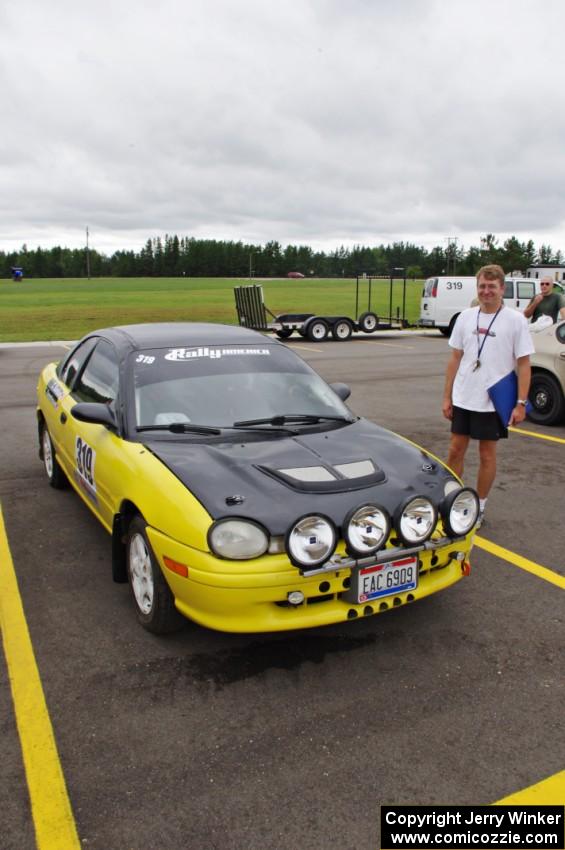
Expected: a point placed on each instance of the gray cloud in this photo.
(311, 121)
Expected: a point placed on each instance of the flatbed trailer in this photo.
(253, 313)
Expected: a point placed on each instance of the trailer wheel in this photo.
(368, 322)
(317, 330)
(342, 330)
(284, 333)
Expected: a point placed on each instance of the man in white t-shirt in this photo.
(487, 342)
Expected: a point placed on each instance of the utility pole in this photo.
(451, 252)
(87, 256)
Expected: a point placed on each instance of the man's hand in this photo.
(518, 415)
(447, 408)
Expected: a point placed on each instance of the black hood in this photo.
(249, 468)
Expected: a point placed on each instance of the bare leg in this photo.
(487, 467)
(456, 456)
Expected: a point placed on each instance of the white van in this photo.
(443, 298)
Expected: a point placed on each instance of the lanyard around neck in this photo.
(481, 345)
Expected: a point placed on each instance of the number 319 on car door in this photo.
(85, 458)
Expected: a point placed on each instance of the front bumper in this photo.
(252, 596)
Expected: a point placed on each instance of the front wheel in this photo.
(154, 602)
(284, 333)
(55, 474)
(546, 398)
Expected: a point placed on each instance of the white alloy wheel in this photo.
(47, 453)
(141, 573)
(53, 471)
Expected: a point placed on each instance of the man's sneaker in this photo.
(480, 520)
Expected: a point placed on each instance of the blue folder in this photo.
(504, 395)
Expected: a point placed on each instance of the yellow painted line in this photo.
(549, 792)
(390, 344)
(519, 561)
(535, 434)
(308, 348)
(50, 807)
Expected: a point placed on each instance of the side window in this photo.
(74, 362)
(99, 380)
(509, 289)
(526, 290)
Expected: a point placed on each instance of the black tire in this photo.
(317, 330)
(546, 398)
(449, 330)
(152, 597)
(342, 330)
(368, 322)
(55, 474)
(284, 333)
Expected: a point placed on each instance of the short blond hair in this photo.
(491, 272)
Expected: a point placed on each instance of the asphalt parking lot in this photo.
(204, 740)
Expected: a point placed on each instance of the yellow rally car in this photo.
(239, 488)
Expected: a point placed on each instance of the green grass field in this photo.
(69, 308)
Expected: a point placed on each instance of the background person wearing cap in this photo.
(547, 303)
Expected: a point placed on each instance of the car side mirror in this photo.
(342, 390)
(95, 413)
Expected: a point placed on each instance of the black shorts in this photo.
(478, 425)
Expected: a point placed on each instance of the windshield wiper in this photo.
(181, 428)
(298, 418)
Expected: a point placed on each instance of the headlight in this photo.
(460, 511)
(311, 541)
(416, 520)
(237, 539)
(366, 529)
(451, 486)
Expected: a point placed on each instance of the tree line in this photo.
(174, 257)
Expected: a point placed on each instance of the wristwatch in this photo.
(521, 401)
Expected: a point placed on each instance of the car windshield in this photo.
(219, 386)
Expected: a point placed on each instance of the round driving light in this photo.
(237, 539)
(460, 512)
(311, 541)
(366, 529)
(416, 520)
(451, 486)
(295, 597)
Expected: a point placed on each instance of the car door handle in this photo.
(63, 418)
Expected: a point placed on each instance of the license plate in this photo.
(387, 579)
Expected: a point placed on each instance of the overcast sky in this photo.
(319, 122)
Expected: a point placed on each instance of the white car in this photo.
(547, 390)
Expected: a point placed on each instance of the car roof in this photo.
(181, 334)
